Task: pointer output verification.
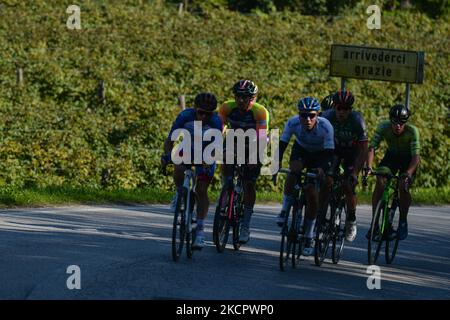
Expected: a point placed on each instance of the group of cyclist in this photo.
(325, 140)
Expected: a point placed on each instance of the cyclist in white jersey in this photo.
(313, 149)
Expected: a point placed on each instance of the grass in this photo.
(54, 196)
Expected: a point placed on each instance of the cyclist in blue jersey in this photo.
(313, 149)
(204, 106)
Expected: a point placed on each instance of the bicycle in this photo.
(229, 211)
(184, 226)
(330, 227)
(292, 230)
(381, 227)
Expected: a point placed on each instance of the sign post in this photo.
(383, 64)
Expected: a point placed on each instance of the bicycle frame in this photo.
(390, 192)
(189, 185)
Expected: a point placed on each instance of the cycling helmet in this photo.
(206, 101)
(399, 113)
(343, 98)
(327, 103)
(246, 88)
(308, 104)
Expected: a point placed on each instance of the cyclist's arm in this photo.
(177, 124)
(362, 144)
(284, 140)
(326, 155)
(415, 160)
(362, 149)
(415, 151)
(374, 144)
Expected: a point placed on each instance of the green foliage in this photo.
(54, 130)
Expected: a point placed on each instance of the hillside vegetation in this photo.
(54, 129)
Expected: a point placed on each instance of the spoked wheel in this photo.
(179, 227)
(392, 244)
(375, 239)
(221, 225)
(286, 244)
(190, 234)
(323, 237)
(339, 237)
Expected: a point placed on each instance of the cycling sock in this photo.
(288, 200)
(248, 211)
(351, 215)
(309, 227)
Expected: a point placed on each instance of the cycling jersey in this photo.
(348, 133)
(316, 139)
(186, 118)
(255, 118)
(405, 144)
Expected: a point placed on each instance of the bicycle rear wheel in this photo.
(375, 239)
(392, 245)
(221, 226)
(178, 228)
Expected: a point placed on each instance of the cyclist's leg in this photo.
(250, 175)
(326, 188)
(350, 195)
(178, 177)
(296, 167)
(405, 199)
(204, 175)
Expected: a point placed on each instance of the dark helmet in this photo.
(399, 113)
(343, 98)
(327, 103)
(245, 88)
(308, 104)
(206, 101)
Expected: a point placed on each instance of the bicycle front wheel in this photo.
(338, 236)
(221, 226)
(285, 245)
(179, 227)
(375, 238)
(392, 244)
(323, 235)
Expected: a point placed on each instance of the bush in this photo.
(54, 129)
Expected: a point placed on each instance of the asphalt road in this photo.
(124, 252)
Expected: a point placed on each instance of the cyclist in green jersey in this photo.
(402, 155)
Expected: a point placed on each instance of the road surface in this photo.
(124, 252)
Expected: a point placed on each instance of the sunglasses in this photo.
(204, 113)
(308, 115)
(398, 122)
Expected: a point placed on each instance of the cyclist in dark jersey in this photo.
(350, 139)
(245, 113)
(402, 155)
(204, 106)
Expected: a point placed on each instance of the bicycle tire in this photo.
(338, 238)
(323, 236)
(178, 228)
(285, 245)
(391, 245)
(372, 244)
(221, 225)
(190, 234)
